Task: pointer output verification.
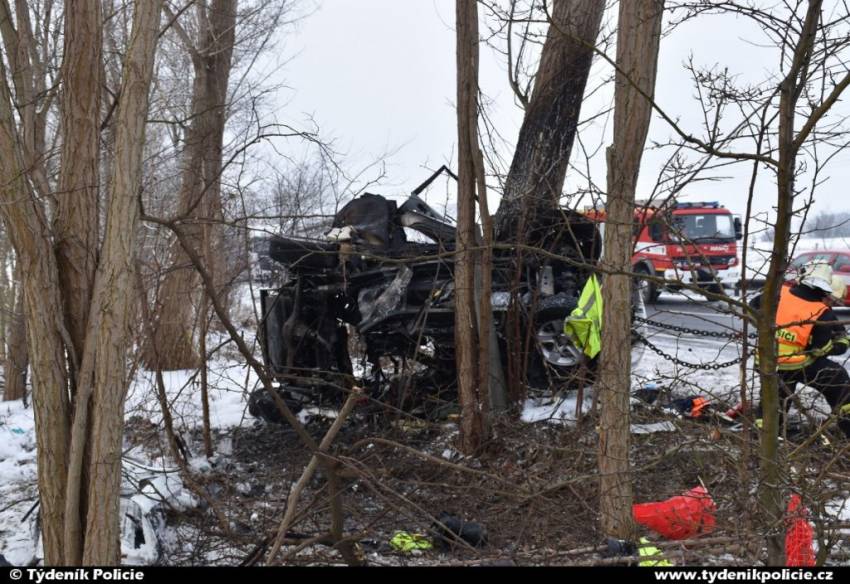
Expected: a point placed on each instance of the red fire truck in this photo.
(688, 243)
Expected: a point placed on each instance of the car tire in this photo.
(649, 290)
(555, 358)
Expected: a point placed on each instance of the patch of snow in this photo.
(562, 411)
(200, 464)
(18, 475)
(653, 428)
(225, 446)
(229, 384)
(311, 412)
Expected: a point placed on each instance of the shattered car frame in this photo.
(397, 297)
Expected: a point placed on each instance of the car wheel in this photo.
(556, 358)
(648, 290)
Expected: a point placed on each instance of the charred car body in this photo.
(398, 296)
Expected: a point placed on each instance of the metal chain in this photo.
(677, 361)
(696, 332)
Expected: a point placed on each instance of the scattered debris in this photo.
(653, 428)
(449, 528)
(406, 542)
(681, 517)
(648, 393)
(618, 547)
(651, 556)
(689, 407)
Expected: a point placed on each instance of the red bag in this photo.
(798, 535)
(682, 517)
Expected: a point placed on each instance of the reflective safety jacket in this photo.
(795, 321)
(584, 325)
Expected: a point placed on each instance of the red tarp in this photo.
(682, 517)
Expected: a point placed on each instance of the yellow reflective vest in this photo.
(584, 325)
(795, 320)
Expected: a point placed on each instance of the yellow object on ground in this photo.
(407, 542)
(654, 558)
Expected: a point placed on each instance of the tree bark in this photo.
(638, 37)
(26, 224)
(770, 489)
(536, 176)
(200, 195)
(472, 402)
(17, 356)
(76, 226)
(113, 300)
(7, 294)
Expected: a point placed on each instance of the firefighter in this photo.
(808, 333)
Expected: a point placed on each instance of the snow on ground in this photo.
(229, 384)
(147, 480)
(561, 410)
(17, 481)
(722, 386)
(149, 484)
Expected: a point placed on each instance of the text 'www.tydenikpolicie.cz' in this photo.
(745, 575)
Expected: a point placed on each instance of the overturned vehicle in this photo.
(381, 289)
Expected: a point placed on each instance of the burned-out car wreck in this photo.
(371, 291)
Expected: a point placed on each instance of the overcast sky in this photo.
(379, 77)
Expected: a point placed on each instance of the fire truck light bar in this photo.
(709, 205)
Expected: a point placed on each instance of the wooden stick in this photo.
(310, 470)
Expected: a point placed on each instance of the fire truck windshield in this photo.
(713, 228)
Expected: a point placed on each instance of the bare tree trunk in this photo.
(28, 231)
(76, 225)
(536, 177)
(7, 294)
(200, 195)
(770, 490)
(467, 348)
(539, 166)
(638, 37)
(113, 299)
(17, 357)
(205, 398)
(490, 369)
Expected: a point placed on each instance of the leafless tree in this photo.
(638, 38)
(17, 357)
(210, 45)
(78, 456)
(472, 387)
(789, 121)
(536, 176)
